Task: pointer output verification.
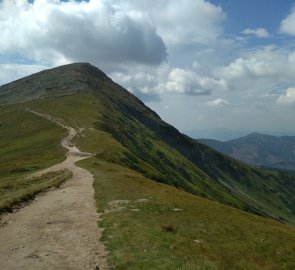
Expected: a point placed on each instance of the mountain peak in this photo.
(256, 135)
(253, 134)
(63, 80)
(68, 80)
(82, 67)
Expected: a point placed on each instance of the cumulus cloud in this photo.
(288, 98)
(185, 81)
(140, 82)
(100, 32)
(257, 32)
(218, 102)
(149, 83)
(183, 21)
(261, 70)
(288, 24)
(265, 62)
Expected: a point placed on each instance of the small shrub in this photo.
(168, 228)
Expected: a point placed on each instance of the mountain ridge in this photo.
(259, 149)
(151, 146)
(166, 201)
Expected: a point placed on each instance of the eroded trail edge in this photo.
(59, 229)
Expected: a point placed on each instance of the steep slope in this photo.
(143, 142)
(259, 149)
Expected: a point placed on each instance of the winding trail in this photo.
(59, 229)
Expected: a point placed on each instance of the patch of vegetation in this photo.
(168, 228)
(161, 227)
(83, 111)
(28, 143)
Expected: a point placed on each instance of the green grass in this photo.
(204, 234)
(84, 111)
(81, 110)
(161, 153)
(28, 143)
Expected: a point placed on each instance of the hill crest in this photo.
(58, 81)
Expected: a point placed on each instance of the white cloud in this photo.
(259, 71)
(183, 21)
(218, 102)
(181, 81)
(288, 24)
(288, 98)
(96, 31)
(105, 32)
(167, 80)
(265, 62)
(258, 32)
(140, 81)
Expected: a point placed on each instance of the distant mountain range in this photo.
(259, 149)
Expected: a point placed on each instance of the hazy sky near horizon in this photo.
(217, 69)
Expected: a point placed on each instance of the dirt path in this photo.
(59, 229)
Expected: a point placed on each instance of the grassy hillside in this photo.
(27, 143)
(153, 141)
(148, 225)
(141, 142)
(176, 159)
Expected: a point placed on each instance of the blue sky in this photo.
(254, 13)
(217, 69)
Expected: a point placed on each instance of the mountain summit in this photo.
(63, 80)
(150, 146)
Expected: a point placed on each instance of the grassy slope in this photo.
(231, 239)
(136, 236)
(139, 148)
(176, 159)
(87, 112)
(27, 143)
